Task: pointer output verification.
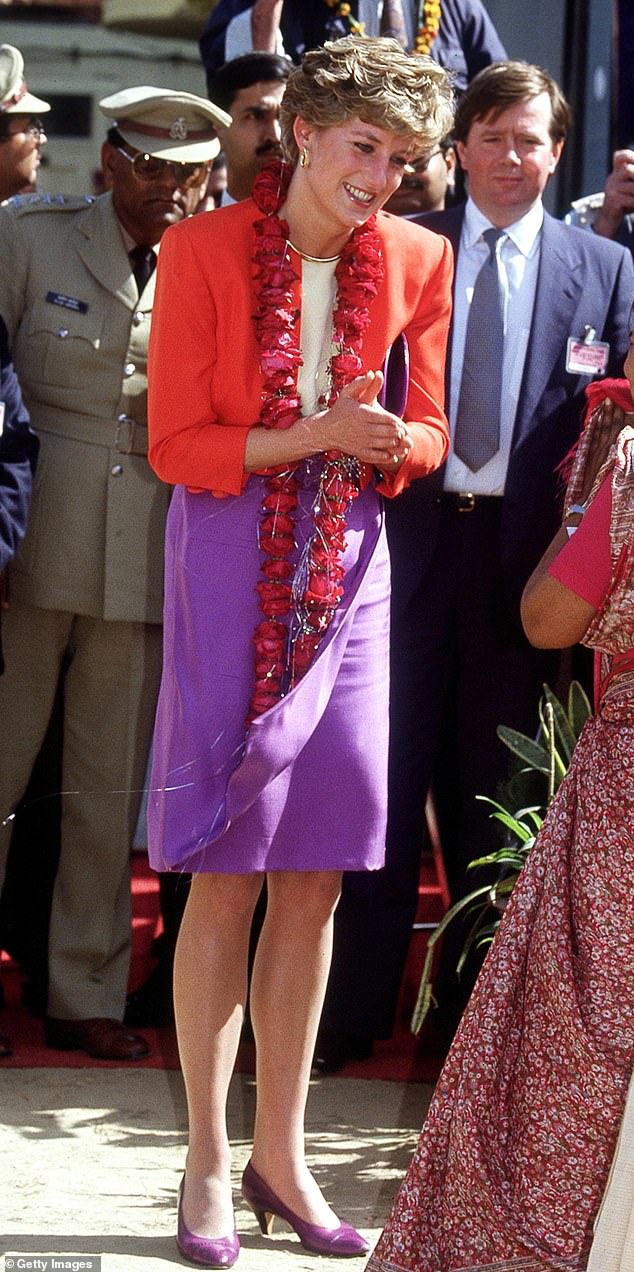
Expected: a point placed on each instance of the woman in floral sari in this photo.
(513, 1159)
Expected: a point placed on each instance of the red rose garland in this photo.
(298, 601)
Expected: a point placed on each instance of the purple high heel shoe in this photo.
(209, 1252)
(344, 1240)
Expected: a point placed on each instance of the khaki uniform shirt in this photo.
(78, 331)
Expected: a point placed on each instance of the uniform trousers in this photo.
(110, 674)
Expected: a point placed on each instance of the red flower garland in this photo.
(298, 601)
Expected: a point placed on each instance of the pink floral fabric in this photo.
(514, 1156)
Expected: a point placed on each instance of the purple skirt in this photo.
(306, 787)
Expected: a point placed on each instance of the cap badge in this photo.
(178, 130)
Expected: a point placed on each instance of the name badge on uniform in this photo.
(1, 418)
(67, 302)
(587, 356)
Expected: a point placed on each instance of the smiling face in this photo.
(508, 160)
(146, 208)
(353, 169)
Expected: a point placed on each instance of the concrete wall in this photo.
(85, 61)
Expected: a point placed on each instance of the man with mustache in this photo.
(250, 88)
(77, 286)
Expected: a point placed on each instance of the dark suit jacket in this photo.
(583, 280)
(466, 42)
(18, 454)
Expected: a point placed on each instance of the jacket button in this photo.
(62, 333)
(138, 319)
(129, 369)
(116, 470)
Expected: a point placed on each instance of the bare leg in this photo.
(210, 988)
(287, 993)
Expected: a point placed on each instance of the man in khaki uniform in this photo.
(86, 587)
(22, 133)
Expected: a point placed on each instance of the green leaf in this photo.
(512, 822)
(425, 993)
(536, 817)
(503, 857)
(505, 886)
(563, 728)
(532, 754)
(579, 708)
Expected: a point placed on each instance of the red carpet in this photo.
(403, 1058)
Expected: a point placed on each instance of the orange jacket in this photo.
(203, 372)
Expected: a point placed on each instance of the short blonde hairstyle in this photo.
(372, 79)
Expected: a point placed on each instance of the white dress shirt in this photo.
(518, 265)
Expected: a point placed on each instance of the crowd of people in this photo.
(282, 424)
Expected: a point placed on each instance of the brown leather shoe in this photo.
(101, 1038)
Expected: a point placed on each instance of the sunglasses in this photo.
(149, 168)
(417, 168)
(35, 128)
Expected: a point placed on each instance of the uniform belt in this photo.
(123, 435)
(466, 501)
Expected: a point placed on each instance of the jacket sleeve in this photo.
(187, 444)
(480, 41)
(427, 333)
(212, 40)
(18, 454)
(618, 322)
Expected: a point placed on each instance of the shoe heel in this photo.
(266, 1221)
(264, 1217)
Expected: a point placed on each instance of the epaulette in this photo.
(42, 202)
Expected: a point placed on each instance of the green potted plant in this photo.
(538, 768)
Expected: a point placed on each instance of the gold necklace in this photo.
(313, 260)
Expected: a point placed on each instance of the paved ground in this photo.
(91, 1160)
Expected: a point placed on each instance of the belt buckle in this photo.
(124, 435)
(466, 501)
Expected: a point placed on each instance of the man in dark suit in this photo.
(18, 453)
(464, 541)
(464, 41)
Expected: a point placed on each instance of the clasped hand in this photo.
(608, 425)
(357, 425)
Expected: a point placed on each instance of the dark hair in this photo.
(505, 84)
(241, 72)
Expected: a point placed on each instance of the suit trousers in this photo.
(460, 666)
(110, 673)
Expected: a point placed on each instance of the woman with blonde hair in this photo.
(271, 326)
